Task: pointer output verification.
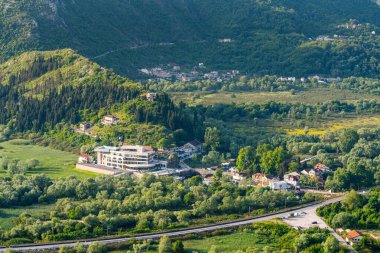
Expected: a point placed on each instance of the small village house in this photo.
(321, 168)
(354, 237)
(208, 180)
(261, 179)
(238, 176)
(317, 171)
(110, 120)
(277, 185)
(85, 125)
(293, 178)
(151, 96)
(193, 147)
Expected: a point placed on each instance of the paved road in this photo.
(212, 227)
(306, 219)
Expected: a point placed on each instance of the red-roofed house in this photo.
(85, 158)
(353, 237)
(321, 168)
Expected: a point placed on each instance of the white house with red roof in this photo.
(354, 237)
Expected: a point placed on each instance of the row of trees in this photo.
(359, 163)
(264, 83)
(355, 212)
(265, 159)
(95, 207)
(15, 166)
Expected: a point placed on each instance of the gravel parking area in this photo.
(306, 219)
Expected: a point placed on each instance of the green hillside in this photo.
(51, 92)
(269, 36)
(38, 72)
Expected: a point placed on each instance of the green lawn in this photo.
(8, 214)
(53, 163)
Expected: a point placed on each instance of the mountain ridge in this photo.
(128, 35)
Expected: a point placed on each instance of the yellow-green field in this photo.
(311, 96)
(53, 163)
(336, 124)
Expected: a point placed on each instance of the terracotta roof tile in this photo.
(353, 234)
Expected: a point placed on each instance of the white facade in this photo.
(128, 157)
(110, 120)
(279, 185)
(151, 96)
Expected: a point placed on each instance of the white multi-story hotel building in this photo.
(128, 157)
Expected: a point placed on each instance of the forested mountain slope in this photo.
(269, 36)
(50, 92)
(41, 89)
(38, 72)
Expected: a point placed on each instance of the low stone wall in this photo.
(97, 169)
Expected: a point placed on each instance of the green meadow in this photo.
(53, 163)
(7, 215)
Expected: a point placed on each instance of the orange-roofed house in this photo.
(321, 168)
(354, 237)
(261, 179)
(149, 148)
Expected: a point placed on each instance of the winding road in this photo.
(114, 240)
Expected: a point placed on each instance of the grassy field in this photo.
(53, 163)
(311, 96)
(232, 242)
(8, 214)
(351, 121)
(266, 237)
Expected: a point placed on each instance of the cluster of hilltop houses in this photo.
(173, 71)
